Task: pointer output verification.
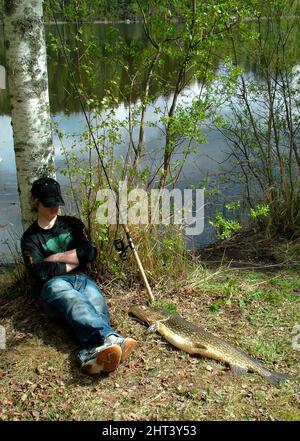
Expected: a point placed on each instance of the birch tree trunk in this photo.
(26, 64)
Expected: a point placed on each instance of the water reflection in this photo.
(62, 97)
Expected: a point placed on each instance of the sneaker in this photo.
(126, 344)
(105, 358)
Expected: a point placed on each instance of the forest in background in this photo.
(104, 10)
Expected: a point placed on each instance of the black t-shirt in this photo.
(66, 234)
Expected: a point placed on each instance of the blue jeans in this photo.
(76, 298)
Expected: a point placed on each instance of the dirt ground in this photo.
(251, 307)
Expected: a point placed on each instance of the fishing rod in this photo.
(119, 244)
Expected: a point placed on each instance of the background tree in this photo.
(176, 48)
(25, 53)
(264, 126)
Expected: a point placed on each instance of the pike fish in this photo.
(195, 340)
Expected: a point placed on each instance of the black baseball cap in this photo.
(47, 191)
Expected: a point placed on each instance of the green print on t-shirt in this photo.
(58, 244)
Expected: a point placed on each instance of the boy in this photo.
(55, 250)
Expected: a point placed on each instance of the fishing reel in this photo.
(121, 248)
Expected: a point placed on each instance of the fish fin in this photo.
(238, 370)
(275, 378)
(256, 360)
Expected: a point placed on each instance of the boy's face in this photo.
(47, 212)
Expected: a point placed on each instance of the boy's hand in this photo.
(66, 257)
(52, 258)
(57, 258)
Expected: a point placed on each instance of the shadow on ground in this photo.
(21, 311)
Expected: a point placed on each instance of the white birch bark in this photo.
(26, 63)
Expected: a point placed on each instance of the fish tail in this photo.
(271, 376)
(275, 377)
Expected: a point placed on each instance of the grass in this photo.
(252, 308)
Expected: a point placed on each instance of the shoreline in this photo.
(129, 21)
(60, 22)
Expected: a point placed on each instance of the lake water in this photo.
(65, 110)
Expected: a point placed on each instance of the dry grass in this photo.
(256, 311)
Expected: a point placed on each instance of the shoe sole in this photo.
(106, 361)
(127, 347)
